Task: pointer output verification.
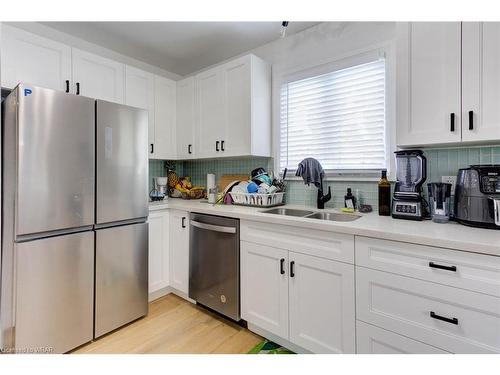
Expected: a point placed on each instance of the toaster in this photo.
(477, 196)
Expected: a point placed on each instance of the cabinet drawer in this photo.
(335, 246)
(476, 272)
(375, 340)
(405, 306)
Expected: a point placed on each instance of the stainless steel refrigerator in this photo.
(74, 208)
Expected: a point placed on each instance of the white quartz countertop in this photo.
(451, 235)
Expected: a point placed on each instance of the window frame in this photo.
(280, 78)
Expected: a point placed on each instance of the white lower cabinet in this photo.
(374, 340)
(264, 287)
(453, 319)
(179, 251)
(159, 254)
(321, 304)
(303, 299)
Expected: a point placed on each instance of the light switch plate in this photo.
(450, 180)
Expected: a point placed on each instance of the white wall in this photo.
(72, 41)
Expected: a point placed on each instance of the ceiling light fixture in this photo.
(284, 25)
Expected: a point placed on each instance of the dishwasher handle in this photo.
(213, 228)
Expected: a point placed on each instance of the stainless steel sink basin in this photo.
(288, 212)
(333, 216)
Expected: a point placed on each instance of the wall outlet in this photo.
(450, 180)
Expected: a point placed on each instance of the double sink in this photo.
(330, 216)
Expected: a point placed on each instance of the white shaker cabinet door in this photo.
(322, 314)
(140, 93)
(185, 118)
(31, 59)
(97, 77)
(264, 287)
(165, 108)
(159, 254)
(209, 114)
(481, 81)
(428, 83)
(236, 139)
(179, 251)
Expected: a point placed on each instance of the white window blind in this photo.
(337, 118)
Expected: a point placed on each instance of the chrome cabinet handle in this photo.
(213, 228)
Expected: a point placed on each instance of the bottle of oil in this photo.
(384, 195)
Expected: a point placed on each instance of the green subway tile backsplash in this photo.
(440, 162)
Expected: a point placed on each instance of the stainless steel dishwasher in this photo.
(214, 263)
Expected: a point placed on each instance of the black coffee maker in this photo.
(411, 173)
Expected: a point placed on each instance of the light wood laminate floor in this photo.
(175, 326)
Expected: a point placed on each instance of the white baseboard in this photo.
(159, 293)
(167, 290)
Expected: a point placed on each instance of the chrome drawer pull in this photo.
(441, 267)
(443, 318)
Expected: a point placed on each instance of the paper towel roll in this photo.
(211, 188)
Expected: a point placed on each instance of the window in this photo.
(337, 117)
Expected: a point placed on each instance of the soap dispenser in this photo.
(350, 200)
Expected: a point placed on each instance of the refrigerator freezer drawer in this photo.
(122, 163)
(54, 293)
(121, 294)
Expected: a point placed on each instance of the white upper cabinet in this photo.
(233, 109)
(164, 146)
(428, 83)
(29, 58)
(209, 113)
(185, 118)
(481, 81)
(140, 92)
(97, 77)
(237, 115)
(448, 80)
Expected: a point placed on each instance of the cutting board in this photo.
(228, 178)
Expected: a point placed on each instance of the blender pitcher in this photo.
(439, 200)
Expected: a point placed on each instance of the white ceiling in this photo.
(179, 47)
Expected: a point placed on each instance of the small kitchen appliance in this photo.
(439, 201)
(411, 173)
(477, 196)
(162, 185)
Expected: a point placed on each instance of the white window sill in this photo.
(339, 178)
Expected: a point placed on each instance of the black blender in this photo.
(407, 201)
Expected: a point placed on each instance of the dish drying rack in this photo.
(258, 199)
